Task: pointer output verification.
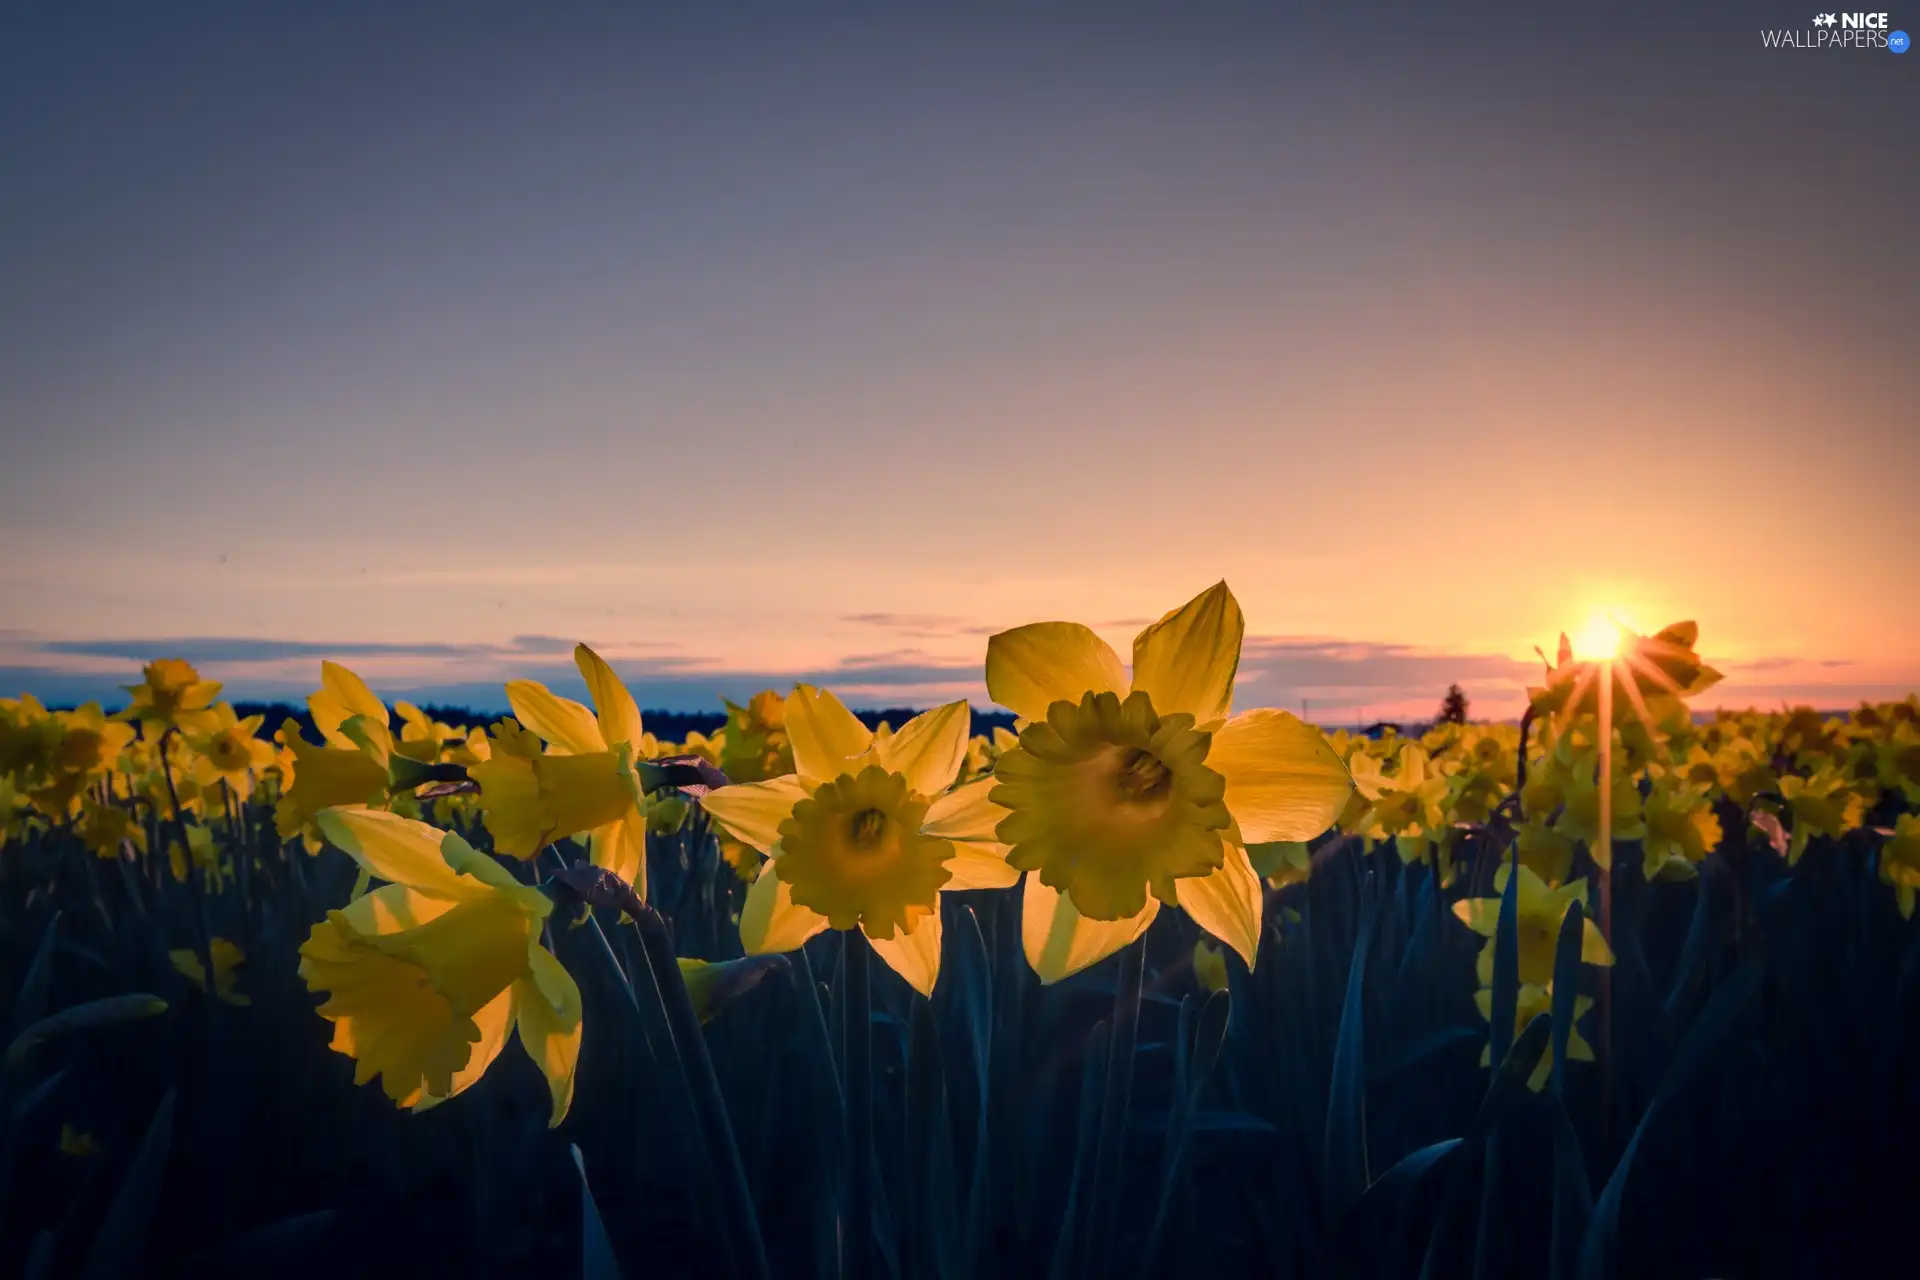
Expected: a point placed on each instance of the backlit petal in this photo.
(1060, 942)
(561, 721)
(1032, 667)
(930, 748)
(342, 696)
(1187, 660)
(398, 849)
(621, 847)
(619, 715)
(546, 1008)
(914, 956)
(1283, 781)
(753, 811)
(965, 813)
(494, 1022)
(980, 866)
(772, 921)
(827, 740)
(1226, 903)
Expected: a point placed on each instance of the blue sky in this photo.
(751, 344)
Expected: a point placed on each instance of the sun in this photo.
(1602, 637)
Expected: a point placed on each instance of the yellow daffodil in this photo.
(1539, 911)
(754, 745)
(1648, 670)
(1681, 829)
(1408, 805)
(1534, 1001)
(343, 697)
(325, 778)
(229, 750)
(1281, 862)
(427, 975)
(864, 834)
(1579, 818)
(1822, 805)
(1900, 861)
(227, 959)
(108, 830)
(200, 853)
(171, 695)
(1126, 794)
(584, 782)
(1210, 966)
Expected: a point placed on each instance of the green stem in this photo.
(858, 1030)
(1103, 1204)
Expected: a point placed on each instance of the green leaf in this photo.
(90, 1016)
(596, 1250)
(117, 1244)
(31, 1003)
(1346, 1136)
(1566, 989)
(1506, 965)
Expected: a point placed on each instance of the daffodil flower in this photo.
(171, 695)
(324, 778)
(229, 750)
(864, 834)
(1900, 861)
(427, 975)
(227, 959)
(1538, 913)
(1822, 805)
(1681, 829)
(1126, 794)
(1534, 1001)
(583, 782)
(1649, 671)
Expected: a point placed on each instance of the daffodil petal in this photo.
(561, 721)
(1060, 942)
(619, 715)
(621, 847)
(1593, 946)
(1226, 903)
(771, 921)
(965, 813)
(546, 1007)
(494, 1021)
(399, 850)
(981, 865)
(914, 956)
(1187, 660)
(470, 862)
(342, 696)
(753, 811)
(827, 739)
(1032, 667)
(930, 748)
(1284, 782)
(393, 907)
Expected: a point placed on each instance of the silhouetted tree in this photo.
(1453, 707)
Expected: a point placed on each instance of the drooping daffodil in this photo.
(427, 974)
(583, 782)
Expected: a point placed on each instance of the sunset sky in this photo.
(750, 347)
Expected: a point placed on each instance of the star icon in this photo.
(1824, 20)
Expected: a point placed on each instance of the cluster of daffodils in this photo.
(1122, 790)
